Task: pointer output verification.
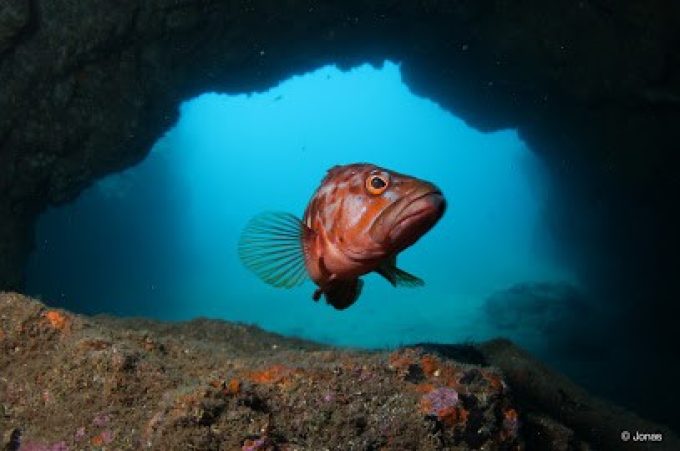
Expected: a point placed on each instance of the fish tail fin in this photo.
(271, 246)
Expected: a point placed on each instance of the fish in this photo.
(357, 221)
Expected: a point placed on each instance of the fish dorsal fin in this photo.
(343, 293)
(397, 277)
(271, 246)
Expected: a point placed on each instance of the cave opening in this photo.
(158, 240)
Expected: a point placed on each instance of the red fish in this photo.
(357, 221)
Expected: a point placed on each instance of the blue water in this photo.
(159, 239)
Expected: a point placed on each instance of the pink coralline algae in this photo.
(80, 434)
(329, 397)
(107, 436)
(101, 420)
(439, 399)
(254, 445)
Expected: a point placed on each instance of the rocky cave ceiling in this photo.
(87, 87)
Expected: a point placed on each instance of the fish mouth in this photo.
(417, 217)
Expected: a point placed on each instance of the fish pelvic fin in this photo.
(398, 277)
(272, 246)
(343, 293)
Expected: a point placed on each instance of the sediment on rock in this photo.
(73, 382)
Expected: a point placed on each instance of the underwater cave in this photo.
(153, 239)
(140, 141)
(158, 240)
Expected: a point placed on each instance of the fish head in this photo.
(413, 206)
(369, 213)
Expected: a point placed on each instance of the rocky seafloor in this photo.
(72, 382)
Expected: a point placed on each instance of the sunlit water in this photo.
(160, 239)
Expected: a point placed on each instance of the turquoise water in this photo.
(159, 239)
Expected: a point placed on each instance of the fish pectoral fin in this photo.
(272, 247)
(398, 277)
(343, 293)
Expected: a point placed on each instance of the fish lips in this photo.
(415, 218)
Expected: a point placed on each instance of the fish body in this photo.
(357, 221)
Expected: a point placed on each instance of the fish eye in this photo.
(377, 183)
